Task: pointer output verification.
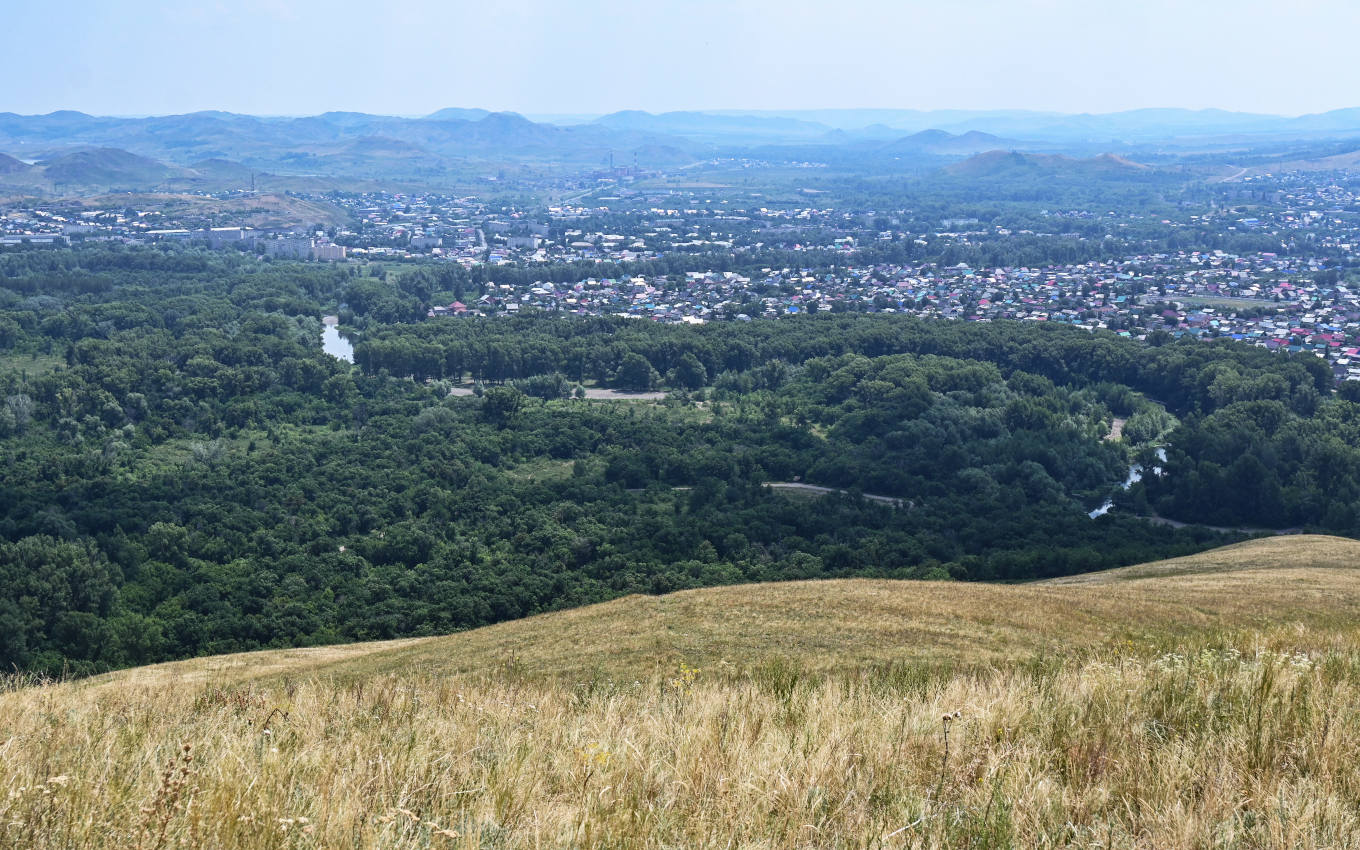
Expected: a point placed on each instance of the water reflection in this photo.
(333, 343)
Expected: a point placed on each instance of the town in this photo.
(1264, 261)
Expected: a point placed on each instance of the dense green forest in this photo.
(186, 472)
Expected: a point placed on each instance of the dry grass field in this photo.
(269, 210)
(1211, 701)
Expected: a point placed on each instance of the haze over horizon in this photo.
(600, 56)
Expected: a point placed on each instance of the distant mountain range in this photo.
(341, 143)
(1138, 126)
(717, 129)
(71, 151)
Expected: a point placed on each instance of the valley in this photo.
(757, 425)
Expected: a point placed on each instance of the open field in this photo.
(261, 211)
(1207, 701)
(1226, 301)
(33, 365)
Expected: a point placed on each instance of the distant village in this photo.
(1296, 297)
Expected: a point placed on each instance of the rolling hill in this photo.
(94, 170)
(947, 144)
(89, 172)
(453, 113)
(266, 210)
(107, 167)
(858, 623)
(1207, 701)
(1348, 161)
(10, 165)
(1000, 164)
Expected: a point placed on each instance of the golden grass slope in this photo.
(1311, 580)
(1283, 552)
(1207, 702)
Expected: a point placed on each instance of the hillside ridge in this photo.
(1308, 579)
(1011, 163)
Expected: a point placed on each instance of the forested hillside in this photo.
(186, 472)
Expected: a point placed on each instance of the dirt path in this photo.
(1116, 429)
(618, 395)
(1175, 523)
(812, 490)
(798, 487)
(595, 394)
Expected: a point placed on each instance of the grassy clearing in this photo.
(34, 365)
(1209, 701)
(1226, 301)
(541, 469)
(172, 455)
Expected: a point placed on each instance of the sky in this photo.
(411, 57)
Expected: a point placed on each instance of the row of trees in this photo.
(1187, 375)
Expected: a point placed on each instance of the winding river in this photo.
(1135, 475)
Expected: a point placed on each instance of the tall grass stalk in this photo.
(1205, 746)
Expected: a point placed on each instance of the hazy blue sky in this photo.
(577, 56)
